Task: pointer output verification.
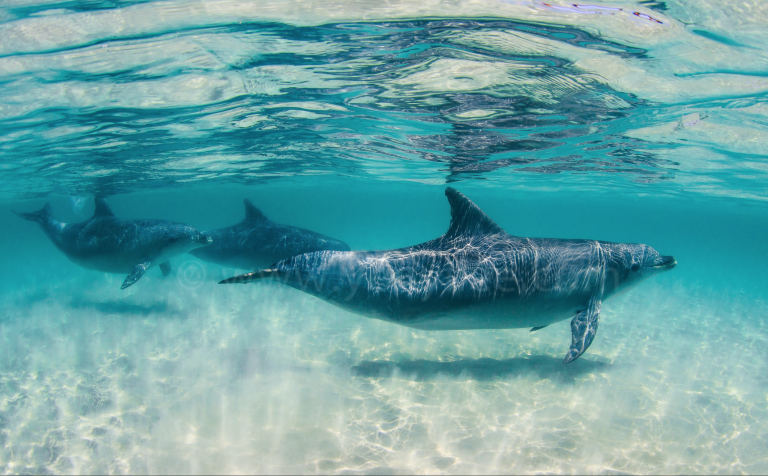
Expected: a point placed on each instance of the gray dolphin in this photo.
(476, 276)
(113, 245)
(257, 242)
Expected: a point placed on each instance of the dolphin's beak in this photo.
(664, 263)
(202, 239)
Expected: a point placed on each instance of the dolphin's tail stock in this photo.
(39, 216)
(269, 273)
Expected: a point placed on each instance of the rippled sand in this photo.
(184, 376)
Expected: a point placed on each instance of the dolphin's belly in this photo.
(232, 254)
(498, 314)
(106, 263)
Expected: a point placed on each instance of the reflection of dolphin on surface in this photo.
(113, 245)
(475, 276)
(257, 242)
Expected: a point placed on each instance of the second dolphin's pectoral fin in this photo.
(583, 329)
(534, 329)
(165, 267)
(136, 273)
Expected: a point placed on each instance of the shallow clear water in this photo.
(623, 121)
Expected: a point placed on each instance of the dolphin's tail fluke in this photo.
(249, 277)
(39, 216)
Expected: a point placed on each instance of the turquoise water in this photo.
(624, 121)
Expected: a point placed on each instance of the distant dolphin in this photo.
(257, 242)
(476, 276)
(113, 245)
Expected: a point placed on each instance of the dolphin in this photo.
(257, 242)
(475, 276)
(113, 245)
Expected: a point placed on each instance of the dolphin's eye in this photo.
(636, 267)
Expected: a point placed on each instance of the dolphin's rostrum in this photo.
(114, 245)
(475, 276)
(257, 242)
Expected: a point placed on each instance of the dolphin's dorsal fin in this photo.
(252, 213)
(102, 209)
(466, 218)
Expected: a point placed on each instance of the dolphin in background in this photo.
(114, 245)
(257, 242)
(475, 276)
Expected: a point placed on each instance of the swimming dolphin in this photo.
(257, 242)
(475, 276)
(113, 245)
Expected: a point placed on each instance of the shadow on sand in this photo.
(122, 308)
(482, 369)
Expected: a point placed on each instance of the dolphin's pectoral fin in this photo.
(165, 267)
(534, 329)
(583, 329)
(136, 273)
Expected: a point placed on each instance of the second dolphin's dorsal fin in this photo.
(252, 213)
(466, 218)
(102, 209)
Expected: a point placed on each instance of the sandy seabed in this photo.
(180, 375)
